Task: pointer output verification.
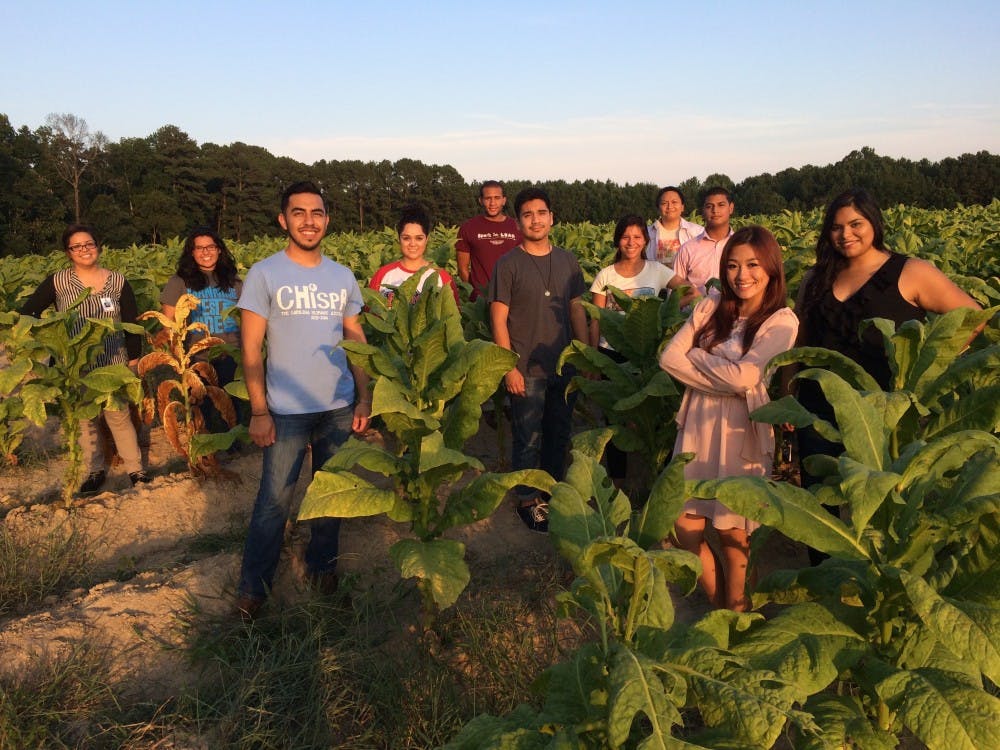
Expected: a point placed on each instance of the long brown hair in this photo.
(829, 261)
(720, 324)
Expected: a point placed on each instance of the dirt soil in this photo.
(154, 563)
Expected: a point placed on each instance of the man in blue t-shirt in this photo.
(303, 304)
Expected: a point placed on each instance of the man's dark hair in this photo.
(414, 214)
(531, 194)
(303, 186)
(715, 190)
(669, 189)
(490, 184)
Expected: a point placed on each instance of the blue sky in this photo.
(627, 91)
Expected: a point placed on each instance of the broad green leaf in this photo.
(660, 385)
(842, 723)
(110, 379)
(865, 490)
(954, 450)
(814, 356)
(575, 690)
(978, 410)
(482, 369)
(590, 360)
(573, 521)
(518, 730)
(753, 705)
(440, 562)
(430, 350)
(480, 497)
(389, 398)
(371, 359)
(901, 347)
(943, 712)
(960, 371)
(641, 582)
(944, 339)
(357, 452)
(35, 396)
(635, 689)
(791, 510)
(978, 575)
(341, 494)
(434, 455)
(593, 442)
(12, 375)
(656, 518)
(862, 427)
(208, 443)
(805, 645)
(969, 630)
(237, 389)
(641, 328)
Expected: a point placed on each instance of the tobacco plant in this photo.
(430, 384)
(62, 378)
(914, 567)
(637, 397)
(646, 681)
(14, 420)
(180, 398)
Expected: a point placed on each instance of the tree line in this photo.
(146, 190)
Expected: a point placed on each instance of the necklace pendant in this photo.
(548, 293)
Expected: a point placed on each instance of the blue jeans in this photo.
(325, 431)
(540, 428)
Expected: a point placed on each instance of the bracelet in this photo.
(261, 414)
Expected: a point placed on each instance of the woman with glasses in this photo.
(207, 270)
(108, 296)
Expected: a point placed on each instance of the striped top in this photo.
(115, 300)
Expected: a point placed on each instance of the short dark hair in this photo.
(631, 220)
(715, 190)
(668, 189)
(303, 186)
(531, 194)
(491, 184)
(414, 214)
(74, 229)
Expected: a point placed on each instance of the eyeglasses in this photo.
(207, 249)
(80, 247)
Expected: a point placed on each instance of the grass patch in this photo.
(66, 701)
(317, 674)
(230, 540)
(323, 675)
(37, 565)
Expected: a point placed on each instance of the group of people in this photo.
(720, 354)
(298, 305)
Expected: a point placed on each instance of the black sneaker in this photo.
(535, 517)
(93, 482)
(139, 477)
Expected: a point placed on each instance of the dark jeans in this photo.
(812, 444)
(325, 432)
(540, 428)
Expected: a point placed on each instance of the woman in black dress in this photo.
(856, 278)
